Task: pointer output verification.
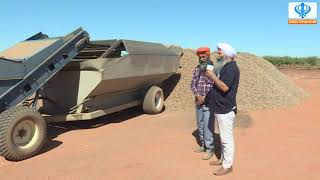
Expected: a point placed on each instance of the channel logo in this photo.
(303, 12)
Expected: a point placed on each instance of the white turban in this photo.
(227, 50)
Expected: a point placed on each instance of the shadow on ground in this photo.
(56, 129)
(216, 144)
(242, 121)
(169, 84)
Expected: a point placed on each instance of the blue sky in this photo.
(258, 27)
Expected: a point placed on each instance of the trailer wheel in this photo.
(23, 133)
(153, 100)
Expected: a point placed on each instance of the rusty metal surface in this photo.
(26, 49)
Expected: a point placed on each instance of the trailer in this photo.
(70, 78)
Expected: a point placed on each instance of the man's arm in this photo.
(194, 81)
(220, 84)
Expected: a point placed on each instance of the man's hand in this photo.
(210, 75)
(200, 99)
(220, 84)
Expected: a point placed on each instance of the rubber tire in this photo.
(149, 105)
(8, 119)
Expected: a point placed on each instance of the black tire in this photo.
(23, 133)
(153, 101)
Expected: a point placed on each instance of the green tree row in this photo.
(287, 60)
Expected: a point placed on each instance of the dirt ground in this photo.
(273, 144)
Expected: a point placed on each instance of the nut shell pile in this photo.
(262, 85)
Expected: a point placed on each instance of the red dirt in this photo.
(277, 144)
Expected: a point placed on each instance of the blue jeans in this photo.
(205, 127)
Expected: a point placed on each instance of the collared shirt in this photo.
(224, 102)
(200, 83)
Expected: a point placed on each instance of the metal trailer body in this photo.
(107, 76)
(24, 69)
(75, 80)
(27, 66)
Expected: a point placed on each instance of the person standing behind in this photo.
(222, 100)
(200, 86)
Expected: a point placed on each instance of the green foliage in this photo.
(287, 60)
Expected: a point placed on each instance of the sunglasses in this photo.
(201, 57)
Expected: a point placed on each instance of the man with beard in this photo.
(222, 101)
(200, 86)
